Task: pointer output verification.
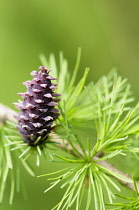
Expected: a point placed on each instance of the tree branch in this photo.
(64, 145)
(8, 114)
(112, 168)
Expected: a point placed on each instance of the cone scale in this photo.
(37, 110)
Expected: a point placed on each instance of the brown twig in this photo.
(112, 168)
(6, 114)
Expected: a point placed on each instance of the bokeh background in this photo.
(108, 33)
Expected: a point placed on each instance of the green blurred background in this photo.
(108, 33)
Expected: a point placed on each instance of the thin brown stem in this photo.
(112, 168)
(6, 114)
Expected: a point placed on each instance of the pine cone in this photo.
(37, 112)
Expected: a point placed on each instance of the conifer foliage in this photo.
(106, 108)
